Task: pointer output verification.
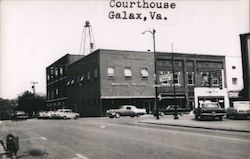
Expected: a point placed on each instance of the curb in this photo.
(197, 127)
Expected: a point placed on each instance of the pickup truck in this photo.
(209, 110)
(125, 110)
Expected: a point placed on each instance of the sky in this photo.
(35, 33)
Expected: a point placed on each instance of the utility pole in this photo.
(33, 87)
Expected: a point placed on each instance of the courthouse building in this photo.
(106, 79)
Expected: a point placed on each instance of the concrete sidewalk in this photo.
(188, 120)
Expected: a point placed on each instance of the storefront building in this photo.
(190, 71)
(108, 79)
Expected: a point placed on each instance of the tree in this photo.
(30, 103)
(6, 108)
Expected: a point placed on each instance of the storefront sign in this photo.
(128, 84)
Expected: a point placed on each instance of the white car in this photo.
(66, 114)
(45, 115)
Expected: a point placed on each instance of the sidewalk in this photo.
(188, 120)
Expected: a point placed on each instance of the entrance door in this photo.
(148, 106)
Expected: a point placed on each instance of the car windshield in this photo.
(210, 105)
(172, 106)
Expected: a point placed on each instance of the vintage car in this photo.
(239, 109)
(125, 110)
(209, 110)
(170, 110)
(19, 115)
(65, 114)
(45, 114)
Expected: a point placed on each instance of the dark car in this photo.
(170, 110)
(125, 110)
(211, 110)
(19, 115)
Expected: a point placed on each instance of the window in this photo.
(234, 81)
(57, 91)
(88, 75)
(233, 67)
(61, 70)
(144, 73)
(111, 71)
(177, 78)
(81, 78)
(215, 82)
(204, 76)
(95, 73)
(48, 77)
(127, 72)
(56, 72)
(190, 78)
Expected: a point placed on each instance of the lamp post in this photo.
(156, 76)
(175, 106)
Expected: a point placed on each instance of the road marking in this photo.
(79, 156)
(33, 138)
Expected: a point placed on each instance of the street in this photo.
(124, 138)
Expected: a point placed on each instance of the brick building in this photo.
(109, 78)
(56, 75)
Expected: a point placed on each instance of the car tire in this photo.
(117, 115)
(64, 117)
(196, 117)
(220, 118)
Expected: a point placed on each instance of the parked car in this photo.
(19, 115)
(239, 109)
(125, 110)
(170, 110)
(45, 114)
(209, 110)
(65, 114)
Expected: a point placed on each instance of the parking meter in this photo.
(12, 143)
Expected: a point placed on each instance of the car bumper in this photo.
(213, 114)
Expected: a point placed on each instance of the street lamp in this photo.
(175, 106)
(156, 76)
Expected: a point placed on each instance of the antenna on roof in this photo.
(87, 39)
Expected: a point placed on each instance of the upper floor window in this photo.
(144, 73)
(177, 78)
(95, 73)
(111, 71)
(56, 72)
(190, 78)
(88, 75)
(61, 70)
(233, 67)
(215, 82)
(48, 77)
(205, 79)
(234, 81)
(127, 72)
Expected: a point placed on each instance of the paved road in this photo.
(124, 138)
